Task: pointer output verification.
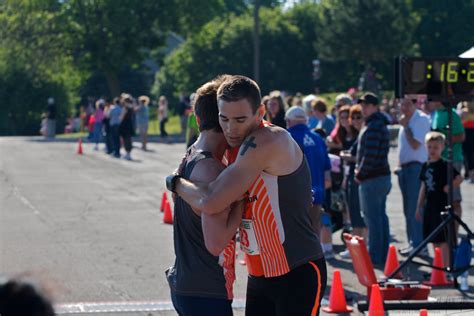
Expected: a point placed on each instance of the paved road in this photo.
(89, 227)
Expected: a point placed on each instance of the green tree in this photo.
(33, 66)
(371, 32)
(445, 28)
(57, 45)
(225, 46)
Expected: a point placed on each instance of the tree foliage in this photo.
(225, 46)
(67, 48)
(446, 28)
(34, 65)
(60, 44)
(366, 30)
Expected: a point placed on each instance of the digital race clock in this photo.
(439, 78)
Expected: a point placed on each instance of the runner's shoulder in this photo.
(269, 136)
(206, 170)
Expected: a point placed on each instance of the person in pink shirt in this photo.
(98, 118)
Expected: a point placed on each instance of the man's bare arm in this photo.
(411, 139)
(219, 228)
(233, 182)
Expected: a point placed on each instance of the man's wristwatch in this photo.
(171, 182)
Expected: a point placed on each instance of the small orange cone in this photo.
(79, 146)
(438, 277)
(392, 263)
(423, 312)
(164, 199)
(376, 302)
(337, 299)
(168, 216)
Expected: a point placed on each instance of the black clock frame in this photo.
(435, 90)
(450, 101)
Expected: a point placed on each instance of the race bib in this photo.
(248, 241)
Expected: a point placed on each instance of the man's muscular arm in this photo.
(219, 228)
(232, 183)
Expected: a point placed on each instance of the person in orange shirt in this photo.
(286, 266)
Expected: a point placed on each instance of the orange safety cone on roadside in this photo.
(79, 146)
(438, 277)
(376, 302)
(168, 216)
(392, 263)
(337, 299)
(164, 199)
(423, 312)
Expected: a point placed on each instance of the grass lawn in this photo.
(173, 127)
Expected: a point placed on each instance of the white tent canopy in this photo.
(468, 54)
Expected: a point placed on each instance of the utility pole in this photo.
(256, 41)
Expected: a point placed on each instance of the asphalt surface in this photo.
(88, 227)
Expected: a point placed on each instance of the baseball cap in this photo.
(369, 98)
(296, 113)
(343, 99)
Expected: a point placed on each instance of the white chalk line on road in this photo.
(131, 306)
(25, 201)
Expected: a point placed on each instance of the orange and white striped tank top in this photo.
(276, 233)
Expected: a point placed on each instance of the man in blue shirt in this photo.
(316, 154)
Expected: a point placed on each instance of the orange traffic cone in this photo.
(376, 302)
(392, 263)
(438, 277)
(164, 199)
(168, 216)
(423, 312)
(79, 146)
(337, 299)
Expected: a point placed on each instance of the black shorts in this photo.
(431, 220)
(299, 292)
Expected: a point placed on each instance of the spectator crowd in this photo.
(351, 137)
(347, 147)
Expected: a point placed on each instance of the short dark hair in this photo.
(236, 88)
(205, 104)
(319, 104)
(22, 298)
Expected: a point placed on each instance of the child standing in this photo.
(433, 197)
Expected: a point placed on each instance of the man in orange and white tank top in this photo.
(287, 271)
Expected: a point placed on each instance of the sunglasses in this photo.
(356, 117)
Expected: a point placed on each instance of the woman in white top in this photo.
(141, 118)
(163, 115)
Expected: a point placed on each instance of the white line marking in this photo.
(131, 306)
(25, 201)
